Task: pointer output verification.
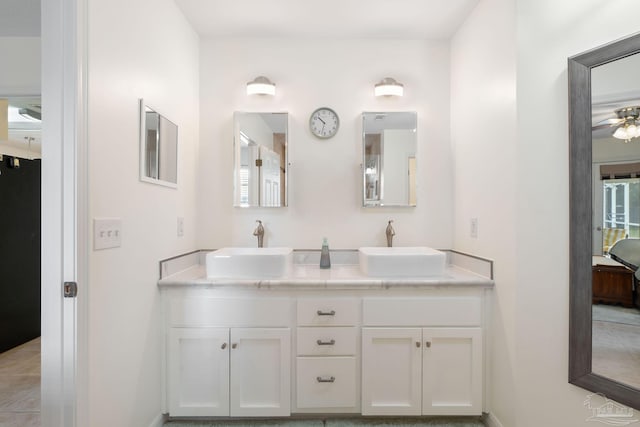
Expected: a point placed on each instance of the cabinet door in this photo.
(391, 371)
(452, 371)
(260, 372)
(198, 371)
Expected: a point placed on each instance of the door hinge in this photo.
(70, 289)
(259, 163)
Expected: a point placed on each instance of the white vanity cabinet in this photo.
(326, 355)
(435, 370)
(259, 352)
(223, 361)
(198, 371)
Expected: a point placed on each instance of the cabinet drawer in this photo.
(326, 382)
(329, 341)
(232, 312)
(436, 311)
(328, 311)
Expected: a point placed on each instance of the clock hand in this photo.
(323, 122)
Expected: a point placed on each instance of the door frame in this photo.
(65, 213)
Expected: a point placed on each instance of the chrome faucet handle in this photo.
(259, 233)
(390, 232)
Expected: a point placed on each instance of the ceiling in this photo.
(20, 18)
(396, 19)
(400, 19)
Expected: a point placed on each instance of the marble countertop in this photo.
(339, 276)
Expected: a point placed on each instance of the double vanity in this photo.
(267, 333)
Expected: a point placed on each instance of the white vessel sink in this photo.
(255, 263)
(401, 261)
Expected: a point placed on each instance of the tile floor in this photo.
(20, 386)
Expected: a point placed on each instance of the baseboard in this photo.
(491, 420)
(158, 421)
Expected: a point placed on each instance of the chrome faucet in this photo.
(390, 233)
(259, 232)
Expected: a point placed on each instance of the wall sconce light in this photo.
(389, 87)
(261, 86)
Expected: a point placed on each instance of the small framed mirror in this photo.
(389, 147)
(158, 148)
(260, 158)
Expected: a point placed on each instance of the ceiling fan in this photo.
(626, 123)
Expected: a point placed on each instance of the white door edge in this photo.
(64, 213)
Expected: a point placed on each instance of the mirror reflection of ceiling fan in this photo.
(619, 119)
(625, 125)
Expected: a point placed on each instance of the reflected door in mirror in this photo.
(260, 159)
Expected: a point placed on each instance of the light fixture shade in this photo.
(261, 86)
(621, 133)
(389, 87)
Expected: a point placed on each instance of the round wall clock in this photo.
(324, 122)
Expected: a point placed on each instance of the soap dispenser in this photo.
(325, 260)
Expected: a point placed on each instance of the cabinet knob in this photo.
(224, 345)
(326, 313)
(320, 342)
(418, 344)
(234, 345)
(428, 344)
(326, 380)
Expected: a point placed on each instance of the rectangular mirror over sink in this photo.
(389, 146)
(260, 158)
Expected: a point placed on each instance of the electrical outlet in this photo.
(180, 226)
(107, 233)
(474, 228)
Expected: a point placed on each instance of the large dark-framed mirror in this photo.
(584, 223)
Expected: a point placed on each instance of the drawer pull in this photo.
(428, 344)
(418, 344)
(234, 345)
(320, 342)
(326, 380)
(224, 345)
(326, 313)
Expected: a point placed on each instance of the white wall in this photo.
(20, 70)
(325, 193)
(548, 32)
(483, 138)
(140, 49)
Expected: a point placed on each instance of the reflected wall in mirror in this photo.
(260, 158)
(158, 148)
(389, 146)
(604, 332)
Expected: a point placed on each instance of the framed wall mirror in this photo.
(604, 324)
(260, 159)
(158, 148)
(389, 146)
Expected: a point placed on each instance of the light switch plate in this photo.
(107, 233)
(473, 232)
(180, 226)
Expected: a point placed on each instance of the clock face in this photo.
(324, 122)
